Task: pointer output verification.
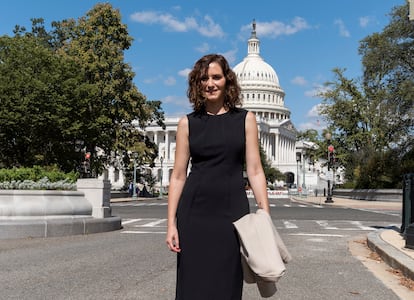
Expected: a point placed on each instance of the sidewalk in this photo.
(389, 244)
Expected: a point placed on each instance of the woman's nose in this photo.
(210, 82)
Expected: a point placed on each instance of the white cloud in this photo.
(316, 90)
(366, 21)
(314, 124)
(299, 80)
(230, 56)
(314, 111)
(203, 48)
(343, 31)
(211, 29)
(206, 27)
(276, 28)
(363, 21)
(184, 72)
(170, 81)
(152, 80)
(313, 120)
(176, 101)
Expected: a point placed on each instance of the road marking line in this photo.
(325, 225)
(131, 231)
(359, 225)
(152, 224)
(130, 221)
(318, 234)
(289, 225)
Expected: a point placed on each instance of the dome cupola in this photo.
(261, 91)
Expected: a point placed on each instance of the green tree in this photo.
(109, 101)
(318, 150)
(271, 173)
(36, 95)
(371, 118)
(70, 89)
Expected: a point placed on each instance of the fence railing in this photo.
(394, 195)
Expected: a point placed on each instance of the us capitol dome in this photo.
(262, 94)
(261, 91)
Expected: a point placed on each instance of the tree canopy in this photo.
(69, 90)
(371, 118)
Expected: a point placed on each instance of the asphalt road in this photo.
(134, 263)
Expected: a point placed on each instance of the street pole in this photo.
(298, 157)
(329, 196)
(303, 169)
(134, 192)
(161, 159)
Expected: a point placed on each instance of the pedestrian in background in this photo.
(218, 137)
(130, 189)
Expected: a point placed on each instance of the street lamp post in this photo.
(161, 160)
(328, 137)
(134, 186)
(304, 174)
(298, 158)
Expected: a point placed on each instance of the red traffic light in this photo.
(87, 155)
(331, 148)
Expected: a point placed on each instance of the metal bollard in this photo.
(407, 227)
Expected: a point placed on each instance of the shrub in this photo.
(37, 178)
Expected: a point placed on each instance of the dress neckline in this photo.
(216, 115)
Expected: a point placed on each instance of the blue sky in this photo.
(303, 40)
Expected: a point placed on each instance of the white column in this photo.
(156, 138)
(167, 146)
(267, 145)
(277, 148)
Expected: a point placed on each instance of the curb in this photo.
(391, 255)
(55, 226)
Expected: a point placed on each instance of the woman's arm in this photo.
(254, 167)
(177, 180)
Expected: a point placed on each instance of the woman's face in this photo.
(214, 83)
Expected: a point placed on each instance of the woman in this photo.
(218, 137)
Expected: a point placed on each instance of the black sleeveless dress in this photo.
(209, 266)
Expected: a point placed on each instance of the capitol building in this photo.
(261, 94)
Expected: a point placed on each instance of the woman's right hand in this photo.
(172, 239)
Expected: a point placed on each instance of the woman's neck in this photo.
(215, 109)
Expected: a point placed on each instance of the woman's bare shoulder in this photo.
(250, 118)
(183, 121)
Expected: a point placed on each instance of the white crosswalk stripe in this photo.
(153, 224)
(289, 225)
(325, 225)
(157, 225)
(140, 204)
(125, 222)
(125, 204)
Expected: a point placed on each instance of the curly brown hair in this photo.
(195, 88)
